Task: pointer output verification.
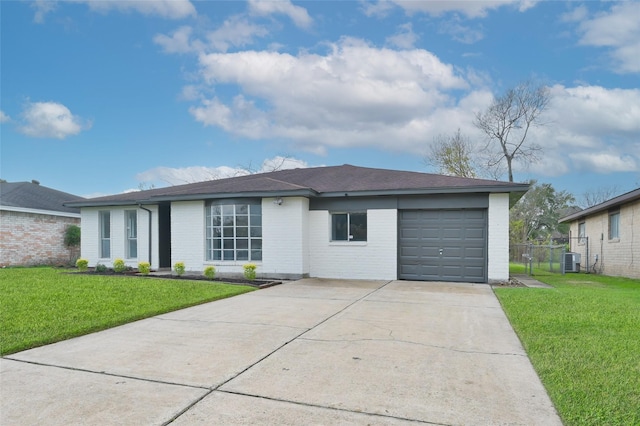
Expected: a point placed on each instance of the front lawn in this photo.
(44, 305)
(583, 338)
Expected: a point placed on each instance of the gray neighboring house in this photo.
(607, 236)
(33, 221)
(327, 222)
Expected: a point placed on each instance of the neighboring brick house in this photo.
(607, 236)
(327, 222)
(33, 221)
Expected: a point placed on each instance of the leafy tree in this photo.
(452, 156)
(507, 122)
(536, 214)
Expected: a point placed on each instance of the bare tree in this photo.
(452, 155)
(507, 122)
(598, 195)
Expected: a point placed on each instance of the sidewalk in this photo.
(529, 281)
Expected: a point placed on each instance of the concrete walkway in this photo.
(306, 352)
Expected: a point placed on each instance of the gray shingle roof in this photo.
(29, 195)
(314, 182)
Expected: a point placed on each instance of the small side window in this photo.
(349, 226)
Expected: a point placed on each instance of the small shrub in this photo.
(72, 236)
(101, 268)
(119, 266)
(250, 271)
(144, 268)
(82, 265)
(179, 268)
(210, 272)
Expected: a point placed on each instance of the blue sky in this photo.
(101, 97)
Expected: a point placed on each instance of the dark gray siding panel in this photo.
(436, 201)
(443, 245)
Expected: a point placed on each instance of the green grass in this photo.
(44, 305)
(583, 338)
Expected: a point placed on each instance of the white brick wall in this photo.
(90, 236)
(374, 259)
(188, 234)
(285, 237)
(498, 236)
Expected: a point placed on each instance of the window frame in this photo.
(104, 220)
(614, 224)
(233, 231)
(131, 238)
(582, 232)
(348, 227)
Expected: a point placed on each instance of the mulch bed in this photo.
(187, 277)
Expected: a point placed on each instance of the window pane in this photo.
(256, 254)
(242, 244)
(105, 249)
(614, 223)
(228, 231)
(242, 209)
(242, 232)
(227, 210)
(215, 221)
(358, 226)
(228, 255)
(217, 255)
(256, 209)
(133, 249)
(228, 244)
(256, 244)
(227, 220)
(215, 210)
(339, 227)
(256, 220)
(242, 221)
(242, 255)
(256, 231)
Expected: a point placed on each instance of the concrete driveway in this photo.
(306, 352)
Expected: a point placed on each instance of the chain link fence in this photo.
(541, 258)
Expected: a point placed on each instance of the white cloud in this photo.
(51, 120)
(617, 29)
(471, 9)
(4, 118)
(236, 31)
(405, 38)
(170, 9)
(590, 128)
(461, 32)
(354, 94)
(161, 176)
(179, 41)
(297, 14)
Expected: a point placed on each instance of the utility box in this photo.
(572, 262)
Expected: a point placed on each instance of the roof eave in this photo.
(516, 188)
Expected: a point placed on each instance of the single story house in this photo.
(326, 222)
(607, 236)
(33, 221)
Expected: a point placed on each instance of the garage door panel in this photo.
(444, 245)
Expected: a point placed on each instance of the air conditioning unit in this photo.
(572, 262)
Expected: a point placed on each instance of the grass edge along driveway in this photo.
(44, 305)
(583, 339)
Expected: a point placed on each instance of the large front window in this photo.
(132, 234)
(105, 234)
(234, 232)
(349, 227)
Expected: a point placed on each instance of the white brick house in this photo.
(607, 236)
(332, 222)
(33, 221)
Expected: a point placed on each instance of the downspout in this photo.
(150, 227)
